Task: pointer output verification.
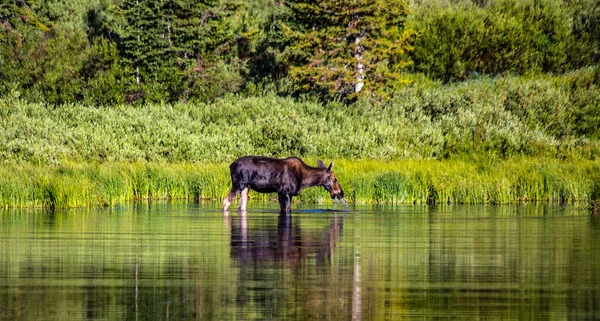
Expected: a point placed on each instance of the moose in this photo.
(289, 243)
(286, 177)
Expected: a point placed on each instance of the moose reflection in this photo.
(287, 244)
(286, 177)
(273, 256)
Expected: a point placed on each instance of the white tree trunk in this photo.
(137, 67)
(356, 278)
(360, 67)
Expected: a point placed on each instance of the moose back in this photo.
(286, 177)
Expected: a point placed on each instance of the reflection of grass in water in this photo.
(365, 181)
(120, 251)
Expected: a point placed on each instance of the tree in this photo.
(174, 44)
(347, 48)
(144, 45)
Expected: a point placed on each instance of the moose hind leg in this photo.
(243, 199)
(285, 202)
(230, 198)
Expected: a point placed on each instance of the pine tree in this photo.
(144, 45)
(347, 47)
(173, 42)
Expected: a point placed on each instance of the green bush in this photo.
(462, 39)
(497, 118)
(585, 22)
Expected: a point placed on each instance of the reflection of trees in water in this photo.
(288, 271)
(450, 265)
(583, 300)
(511, 268)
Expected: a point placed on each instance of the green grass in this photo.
(364, 181)
(74, 185)
(463, 182)
(485, 141)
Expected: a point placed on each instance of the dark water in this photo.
(188, 261)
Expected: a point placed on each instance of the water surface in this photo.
(188, 261)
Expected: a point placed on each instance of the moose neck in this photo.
(312, 177)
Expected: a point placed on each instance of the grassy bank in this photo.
(521, 139)
(366, 181)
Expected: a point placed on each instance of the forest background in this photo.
(109, 94)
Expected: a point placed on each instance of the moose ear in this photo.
(330, 167)
(320, 164)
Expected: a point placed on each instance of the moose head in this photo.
(329, 181)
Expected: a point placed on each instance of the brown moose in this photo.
(286, 177)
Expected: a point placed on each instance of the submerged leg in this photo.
(285, 202)
(230, 198)
(243, 199)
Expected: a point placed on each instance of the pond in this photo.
(181, 261)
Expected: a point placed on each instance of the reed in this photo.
(364, 181)
(594, 201)
(75, 185)
(468, 182)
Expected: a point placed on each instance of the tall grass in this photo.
(464, 182)
(365, 181)
(73, 185)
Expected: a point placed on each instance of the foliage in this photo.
(121, 51)
(179, 49)
(585, 22)
(491, 118)
(334, 47)
(461, 39)
(58, 53)
(146, 41)
(58, 63)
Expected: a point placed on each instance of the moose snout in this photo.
(338, 195)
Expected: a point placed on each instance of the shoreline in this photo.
(511, 181)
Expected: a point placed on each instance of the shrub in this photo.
(463, 39)
(496, 118)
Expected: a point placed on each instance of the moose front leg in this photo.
(285, 202)
(243, 199)
(230, 198)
